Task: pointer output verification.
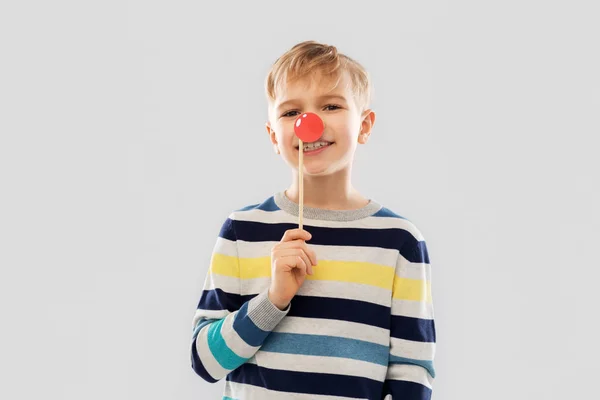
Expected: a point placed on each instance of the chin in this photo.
(321, 170)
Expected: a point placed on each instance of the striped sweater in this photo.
(360, 327)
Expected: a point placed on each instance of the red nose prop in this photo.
(309, 127)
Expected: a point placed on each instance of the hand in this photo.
(291, 260)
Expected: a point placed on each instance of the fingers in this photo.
(295, 234)
(292, 261)
(290, 253)
(295, 240)
(299, 244)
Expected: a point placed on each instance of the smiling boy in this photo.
(341, 309)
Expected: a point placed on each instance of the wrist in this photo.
(277, 302)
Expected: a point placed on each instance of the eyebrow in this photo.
(324, 97)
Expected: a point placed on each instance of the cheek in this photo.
(284, 134)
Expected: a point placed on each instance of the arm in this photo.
(228, 328)
(413, 336)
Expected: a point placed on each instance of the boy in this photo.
(340, 309)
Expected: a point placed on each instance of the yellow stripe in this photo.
(355, 272)
(411, 289)
(224, 265)
(342, 271)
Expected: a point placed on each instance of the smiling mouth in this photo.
(315, 146)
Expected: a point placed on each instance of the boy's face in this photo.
(344, 125)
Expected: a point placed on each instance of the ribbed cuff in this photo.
(264, 313)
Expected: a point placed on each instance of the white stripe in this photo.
(226, 283)
(232, 284)
(208, 314)
(380, 256)
(317, 364)
(411, 308)
(330, 327)
(411, 349)
(241, 391)
(346, 290)
(255, 285)
(226, 247)
(411, 373)
(341, 290)
(280, 216)
(234, 341)
(411, 270)
(211, 365)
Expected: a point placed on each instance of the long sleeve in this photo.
(413, 336)
(228, 326)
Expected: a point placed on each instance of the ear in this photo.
(366, 126)
(272, 137)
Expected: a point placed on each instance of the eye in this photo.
(289, 113)
(332, 107)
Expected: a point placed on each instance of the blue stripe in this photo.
(326, 346)
(415, 329)
(222, 353)
(386, 212)
(428, 365)
(267, 205)
(248, 208)
(247, 329)
(201, 324)
(307, 382)
(406, 390)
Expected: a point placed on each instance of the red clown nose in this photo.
(309, 127)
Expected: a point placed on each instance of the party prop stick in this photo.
(308, 128)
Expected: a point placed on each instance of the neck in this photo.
(333, 192)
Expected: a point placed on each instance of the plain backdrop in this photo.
(130, 130)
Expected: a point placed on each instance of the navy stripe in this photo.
(327, 346)
(415, 251)
(390, 238)
(308, 306)
(247, 329)
(415, 329)
(227, 231)
(306, 382)
(217, 299)
(340, 309)
(406, 390)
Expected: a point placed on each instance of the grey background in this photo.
(119, 121)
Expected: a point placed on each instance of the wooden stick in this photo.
(301, 184)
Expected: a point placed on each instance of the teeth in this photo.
(315, 145)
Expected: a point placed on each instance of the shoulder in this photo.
(388, 218)
(264, 211)
(254, 211)
(413, 246)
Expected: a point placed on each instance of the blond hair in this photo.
(310, 56)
